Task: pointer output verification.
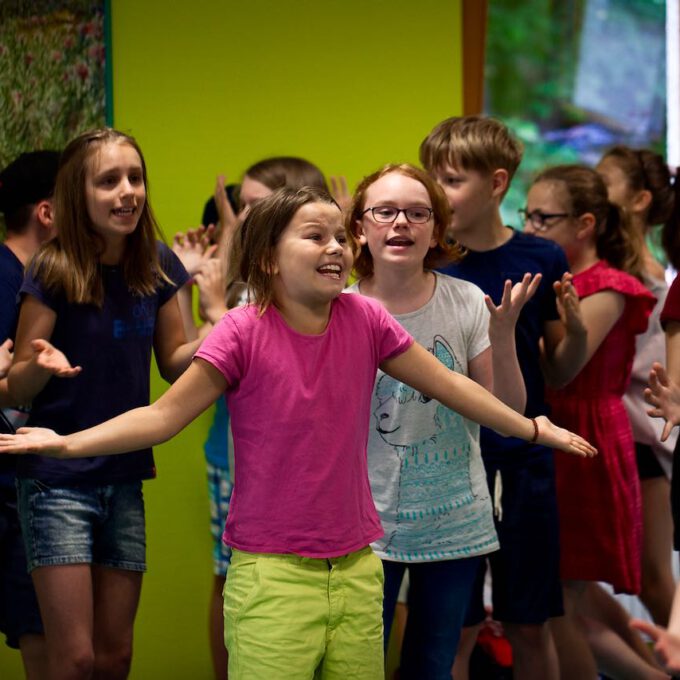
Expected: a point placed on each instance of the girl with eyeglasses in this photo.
(639, 181)
(599, 504)
(424, 460)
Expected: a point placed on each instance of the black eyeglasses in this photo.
(539, 220)
(388, 214)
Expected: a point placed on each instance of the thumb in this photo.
(646, 627)
(39, 345)
(8, 344)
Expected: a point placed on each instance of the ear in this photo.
(361, 237)
(586, 226)
(641, 201)
(44, 214)
(499, 182)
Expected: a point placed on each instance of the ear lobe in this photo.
(361, 237)
(642, 201)
(586, 225)
(43, 211)
(499, 181)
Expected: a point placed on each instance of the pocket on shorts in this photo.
(241, 586)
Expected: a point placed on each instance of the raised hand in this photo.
(558, 438)
(568, 305)
(340, 192)
(47, 356)
(38, 440)
(503, 317)
(194, 247)
(6, 357)
(664, 396)
(211, 282)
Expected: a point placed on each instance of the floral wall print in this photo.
(52, 73)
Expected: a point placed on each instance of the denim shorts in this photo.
(101, 525)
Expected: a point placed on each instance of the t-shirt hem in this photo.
(439, 555)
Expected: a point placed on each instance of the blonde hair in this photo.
(472, 143)
(445, 251)
(71, 261)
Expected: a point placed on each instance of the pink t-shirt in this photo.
(300, 409)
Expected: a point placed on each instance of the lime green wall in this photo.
(210, 87)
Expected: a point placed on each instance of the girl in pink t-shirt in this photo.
(304, 590)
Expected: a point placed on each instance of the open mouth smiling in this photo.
(332, 271)
(399, 241)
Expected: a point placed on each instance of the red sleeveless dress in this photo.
(599, 499)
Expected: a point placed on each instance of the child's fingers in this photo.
(650, 629)
(667, 429)
(7, 345)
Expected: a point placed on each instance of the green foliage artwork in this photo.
(52, 73)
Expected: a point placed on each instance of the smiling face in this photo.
(114, 191)
(313, 257)
(400, 242)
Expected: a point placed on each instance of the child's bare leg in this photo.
(34, 656)
(65, 597)
(216, 624)
(533, 652)
(576, 661)
(600, 606)
(658, 585)
(116, 596)
(615, 658)
(466, 644)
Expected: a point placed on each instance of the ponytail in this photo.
(670, 234)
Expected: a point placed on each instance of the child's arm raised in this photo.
(422, 371)
(570, 344)
(506, 380)
(198, 387)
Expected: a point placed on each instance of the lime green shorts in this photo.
(287, 616)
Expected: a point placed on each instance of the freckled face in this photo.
(400, 241)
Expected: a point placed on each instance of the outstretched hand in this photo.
(666, 644)
(664, 396)
(568, 305)
(39, 440)
(194, 248)
(6, 357)
(54, 361)
(558, 438)
(503, 317)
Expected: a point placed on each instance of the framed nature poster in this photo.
(54, 71)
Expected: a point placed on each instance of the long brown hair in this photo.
(71, 262)
(647, 170)
(445, 251)
(617, 241)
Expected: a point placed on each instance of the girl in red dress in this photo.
(599, 503)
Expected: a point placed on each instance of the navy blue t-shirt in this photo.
(113, 345)
(11, 276)
(489, 270)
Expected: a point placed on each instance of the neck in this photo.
(583, 260)
(113, 252)
(487, 235)
(399, 289)
(23, 246)
(308, 320)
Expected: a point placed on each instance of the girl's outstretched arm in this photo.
(198, 387)
(422, 371)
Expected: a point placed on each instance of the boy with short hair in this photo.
(474, 159)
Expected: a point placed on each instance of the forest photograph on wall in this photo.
(53, 73)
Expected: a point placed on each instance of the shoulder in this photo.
(542, 249)
(452, 286)
(602, 276)
(170, 265)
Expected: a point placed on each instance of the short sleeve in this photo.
(671, 308)
(478, 336)
(223, 347)
(174, 270)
